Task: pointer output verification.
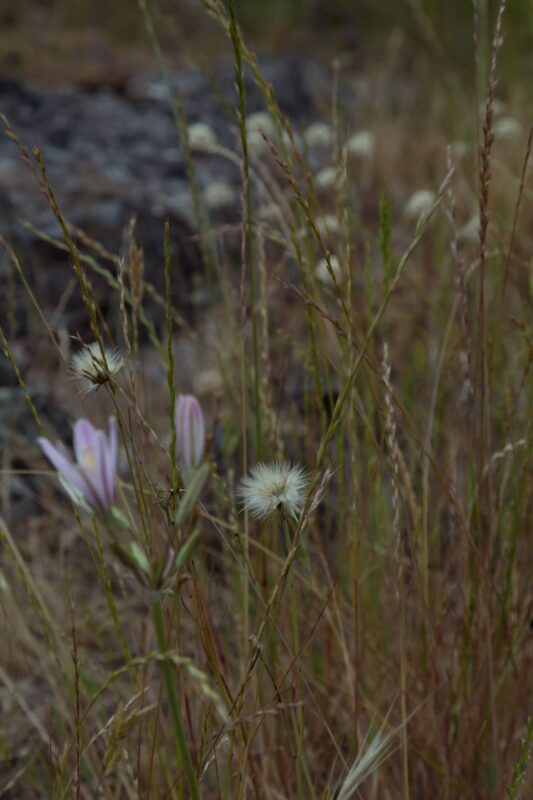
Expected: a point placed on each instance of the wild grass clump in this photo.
(299, 563)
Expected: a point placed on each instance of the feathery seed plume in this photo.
(93, 370)
(272, 487)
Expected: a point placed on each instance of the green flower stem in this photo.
(301, 766)
(182, 748)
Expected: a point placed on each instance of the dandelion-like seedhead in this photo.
(470, 231)
(261, 122)
(202, 137)
(218, 195)
(323, 274)
(506, 128)
(319, 135)
(327, 226)
(274, 487)
(92, 369)
(419, 204)
(361, 145)
(326, 179)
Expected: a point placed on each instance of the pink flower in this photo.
(190, 432)
(93, 475)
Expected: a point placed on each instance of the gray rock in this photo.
(115, 154)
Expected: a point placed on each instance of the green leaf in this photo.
(133, 557)
(139, 558)
(192, 493)
(188, 549)
(120, 518)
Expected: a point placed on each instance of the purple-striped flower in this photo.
(92, 477)
(190, 433)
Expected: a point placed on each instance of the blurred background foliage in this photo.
(355, 29)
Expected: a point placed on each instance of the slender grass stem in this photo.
(249, 251)
(300, 726)
(170, 370)
(182, 749)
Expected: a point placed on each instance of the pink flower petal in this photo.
(190, 431)
(99, 477)
(109, 449)
(71, 472)
(89, 452)
(182, 439)
(111, 452)
(197, 432)
(84, 440)
(93, 476)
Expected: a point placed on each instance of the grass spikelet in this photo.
(521, 765)
(369, 761)
(401, 555)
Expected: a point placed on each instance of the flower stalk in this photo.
(182, 749)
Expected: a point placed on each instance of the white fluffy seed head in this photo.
(259, 125)
(319, 134)
(92, 369)
(219, 195)
(326, 179)
(327, 225)
(269, 212)
(419, 203)
(256, 143)
(361, 145)
(274, 487)
(470, 231)
(202, 137)
(261, 122)
(323, 273)
(506, 128)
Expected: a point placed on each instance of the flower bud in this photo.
(190, 433)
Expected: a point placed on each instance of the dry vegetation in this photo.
(378, 643)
